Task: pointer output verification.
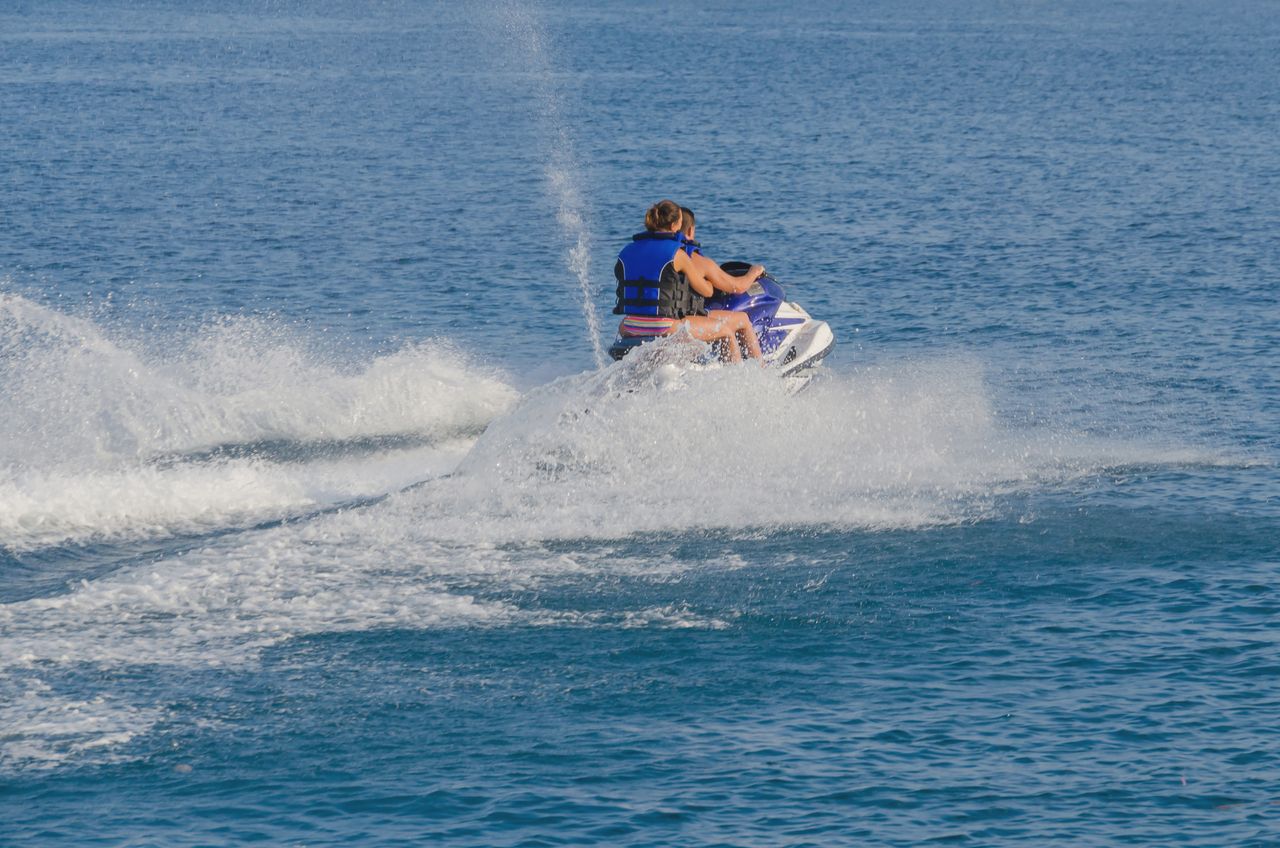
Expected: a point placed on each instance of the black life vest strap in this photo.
(646, 297)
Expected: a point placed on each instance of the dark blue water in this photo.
(318, 525)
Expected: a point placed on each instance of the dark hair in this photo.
(688, 219)
(661, 216)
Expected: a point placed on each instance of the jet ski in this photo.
(790, 338)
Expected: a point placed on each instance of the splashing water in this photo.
(145, 439)
(236, 422)
(563, 166)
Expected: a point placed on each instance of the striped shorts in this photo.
(646, 325)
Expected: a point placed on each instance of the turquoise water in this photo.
(319, 526)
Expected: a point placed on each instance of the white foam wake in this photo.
(190, 498)
(623, 452)
(116, 436)
(43, 728)
(217, 606)
(76, 394)
(597, 456)
(607, 456)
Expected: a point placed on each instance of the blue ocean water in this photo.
(319, 524)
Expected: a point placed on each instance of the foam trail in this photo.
(43, 728)
(107, 438)
(563, 167)
(591, 458)
(217, 606)
(615, 453)
(77, 396)
(191, 498)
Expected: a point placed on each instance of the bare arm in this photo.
(697, 278)
(723, 281)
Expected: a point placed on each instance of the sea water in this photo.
(319, 524)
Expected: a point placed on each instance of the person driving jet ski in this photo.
(716, 275)
(661, 287)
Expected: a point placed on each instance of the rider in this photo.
(716, 275)
(660, 287)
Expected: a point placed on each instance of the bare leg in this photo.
(715, 328)
(731, 351)
(739, 326)
(747, 334)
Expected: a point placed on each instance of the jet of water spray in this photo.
(563, 166)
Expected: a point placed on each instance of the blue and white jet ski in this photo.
(790, 338)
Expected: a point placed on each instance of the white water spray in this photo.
(124, 436)
(562, 167)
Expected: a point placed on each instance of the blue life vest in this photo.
(691, 247)
(648, 283)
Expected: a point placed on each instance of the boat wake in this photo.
(467, 495)
(120, 438)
